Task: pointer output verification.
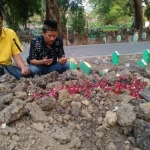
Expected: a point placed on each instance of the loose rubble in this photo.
(49, 113)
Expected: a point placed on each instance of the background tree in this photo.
(111, 12)
(18, 12)
(138, 24)
(52, 12)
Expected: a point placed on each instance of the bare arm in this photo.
(25, 70)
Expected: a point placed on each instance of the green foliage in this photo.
(76, 15)
(110, 12)
(147, 12)
(78, 21)
(18, 12)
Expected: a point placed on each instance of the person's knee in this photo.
(66, 66)
(34, 70)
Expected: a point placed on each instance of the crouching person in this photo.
(10, 47)
(46, 51)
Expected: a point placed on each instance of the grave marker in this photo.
(130, 38)
(85, 67)
(115, 58)
(146, 56)
(142, 63)
(109, 38)
(104, 39)
(135, 38)
(144, 36)
(118, 38)
(73, 64)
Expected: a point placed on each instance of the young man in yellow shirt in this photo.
(11, 47)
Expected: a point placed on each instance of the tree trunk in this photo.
(4, 10)
(52, 12)
(26, 25)
(138, 24)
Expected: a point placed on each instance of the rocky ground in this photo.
(109, 110)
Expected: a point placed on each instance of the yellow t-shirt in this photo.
(8, 47)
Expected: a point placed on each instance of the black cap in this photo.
(50, 25)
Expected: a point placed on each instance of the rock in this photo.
(111, 146)
(78, 127)
(38, 127)
(125, 114)
(2, 106)
(145, 93)
(144, 111)
(12, 145)
(67, 117)
(15, 138)
(78, 74)
(90, 109)
(4, 88)
(111, 118)
(141, 131)
(7, 131)
(105, 123)
(20, 87)
(7, 98)
(50, 120)
(75, 111)
(63, 94)
(21, 95)
(71, 125)
(125, 98)
(86, 115)
(64, 103)
(62, 135)
(36, 112)
(47, 103)
(100, 135)
(13, 112)
(75, 143)
(127, 145)
(125, 130)
(99, 120)
(85, 102)
(60, 110)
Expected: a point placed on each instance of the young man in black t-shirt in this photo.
(46, 51)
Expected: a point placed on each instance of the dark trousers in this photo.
(14, 71)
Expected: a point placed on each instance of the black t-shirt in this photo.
(39, 50)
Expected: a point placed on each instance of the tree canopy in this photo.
(18, 12)
(106, 11)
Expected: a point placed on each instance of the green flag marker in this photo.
(85, 67)
(115, 58)
(142, 63)
(146, 56)
(73, 64)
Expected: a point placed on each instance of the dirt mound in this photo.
(110, 111)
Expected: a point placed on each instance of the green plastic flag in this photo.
(115, 58)
(73, 64)
(146, 56)
(142, 63)
(85, 67)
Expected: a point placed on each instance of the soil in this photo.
(74, 122)
(26, 133)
